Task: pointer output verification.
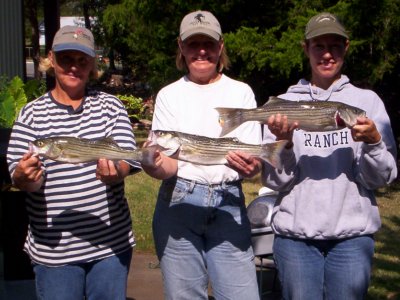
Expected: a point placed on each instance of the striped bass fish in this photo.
(79, 150)
(310, 115)
(212, 151)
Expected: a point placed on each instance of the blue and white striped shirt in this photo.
(74, 217)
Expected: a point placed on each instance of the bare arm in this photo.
(243, 163)
(165, 167)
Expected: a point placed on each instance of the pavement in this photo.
(144, 279)
(144, 282)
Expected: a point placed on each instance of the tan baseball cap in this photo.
(200, 22)
(324, 23)
(74, 38)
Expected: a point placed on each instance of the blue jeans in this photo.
(100, 279)
(324, 269)
(202, 234)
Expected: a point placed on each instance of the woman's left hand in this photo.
(365, 131)
(243, 163)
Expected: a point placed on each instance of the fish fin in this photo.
(135, 166)
(271, 153)
(108, 141)
(169, 152)
(274, 100)
(229, 118)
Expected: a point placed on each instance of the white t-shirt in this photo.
(188, 107)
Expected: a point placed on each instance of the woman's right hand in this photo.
(28, 174)
(163, 167)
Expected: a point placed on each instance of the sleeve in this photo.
(377, 162)
(279, 180)
(122, 132)
(22, 134)
(164, 116)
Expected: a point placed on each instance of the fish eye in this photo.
(40, 143)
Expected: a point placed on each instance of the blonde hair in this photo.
(223, 61)
(46, 66)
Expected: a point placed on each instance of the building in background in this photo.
(11, 39)
(64, 21)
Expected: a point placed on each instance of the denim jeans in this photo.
(324, 269)
(101, 279)
(202, 234)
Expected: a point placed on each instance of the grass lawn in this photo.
(141, 191)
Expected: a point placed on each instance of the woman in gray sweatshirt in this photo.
(326, 213)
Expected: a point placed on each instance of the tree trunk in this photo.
(31, 11)
(111, 58)
(86, 15)
(51, 25)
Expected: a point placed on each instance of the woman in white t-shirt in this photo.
(201, 230)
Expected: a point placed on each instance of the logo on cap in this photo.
(325, 18)
(74, 38)
(324, 23)
(200, 22)
(78, 32)
(198, 19)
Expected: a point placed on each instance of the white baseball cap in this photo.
(200, 22)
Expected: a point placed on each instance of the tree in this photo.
(263, 37)
(31, 13)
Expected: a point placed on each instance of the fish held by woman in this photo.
(212, 151)
(76, 150)
(310, 115)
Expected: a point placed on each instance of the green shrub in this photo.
(14, 94)
(137, 108)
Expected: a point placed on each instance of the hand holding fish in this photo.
(279, 126)
(28, 175)
(365, 131)
(110, 173)
(163, 166)
(246, 165)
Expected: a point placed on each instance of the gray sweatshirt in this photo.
(326, 189)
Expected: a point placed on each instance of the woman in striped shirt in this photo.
(79, 238)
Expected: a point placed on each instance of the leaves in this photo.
(262, 38)
(14, 94)
(12, 98)
(137, 108)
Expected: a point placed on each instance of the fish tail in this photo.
(229, 118)
(148, 155)
(271, 153)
